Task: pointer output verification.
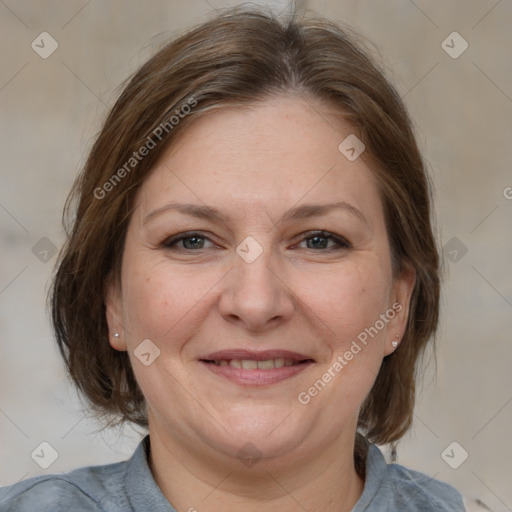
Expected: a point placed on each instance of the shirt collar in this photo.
(145, 495)
(376, 467)
(141, 488)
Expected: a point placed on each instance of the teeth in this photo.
(279, 362)
(266, 365)
(251, 364)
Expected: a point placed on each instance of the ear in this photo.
(400, 301)
(113, 307)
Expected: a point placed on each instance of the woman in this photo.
(251, 273)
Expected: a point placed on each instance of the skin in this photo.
(254, 164)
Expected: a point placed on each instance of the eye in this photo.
(315, 240)
(190, 241)
(318, 239)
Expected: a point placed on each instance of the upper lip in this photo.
(263, 355)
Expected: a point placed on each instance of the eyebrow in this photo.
(299, 212)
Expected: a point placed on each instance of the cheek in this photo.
(349, 298)
(355, 307)
(350, 302)
(160, 300)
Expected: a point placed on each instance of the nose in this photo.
(256, 295)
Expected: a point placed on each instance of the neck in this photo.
(193, 482)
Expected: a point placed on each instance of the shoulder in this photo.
(420, 492)
(393, 487)
(88, 489)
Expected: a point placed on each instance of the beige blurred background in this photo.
(462, 106)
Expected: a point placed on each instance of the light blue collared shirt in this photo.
(129, 486)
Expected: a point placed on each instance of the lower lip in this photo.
(256, 377)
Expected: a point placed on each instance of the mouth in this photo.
(256, 368)
(251, 364)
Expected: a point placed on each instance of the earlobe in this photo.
(114, 317)
(401, 299)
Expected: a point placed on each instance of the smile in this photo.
(251, 364)
(256, 368)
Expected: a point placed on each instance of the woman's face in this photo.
(257, 328)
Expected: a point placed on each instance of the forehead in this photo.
(278, 151)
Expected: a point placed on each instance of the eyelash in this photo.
(342, 243)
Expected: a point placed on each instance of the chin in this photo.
(268, 436)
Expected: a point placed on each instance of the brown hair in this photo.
(236, 58)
